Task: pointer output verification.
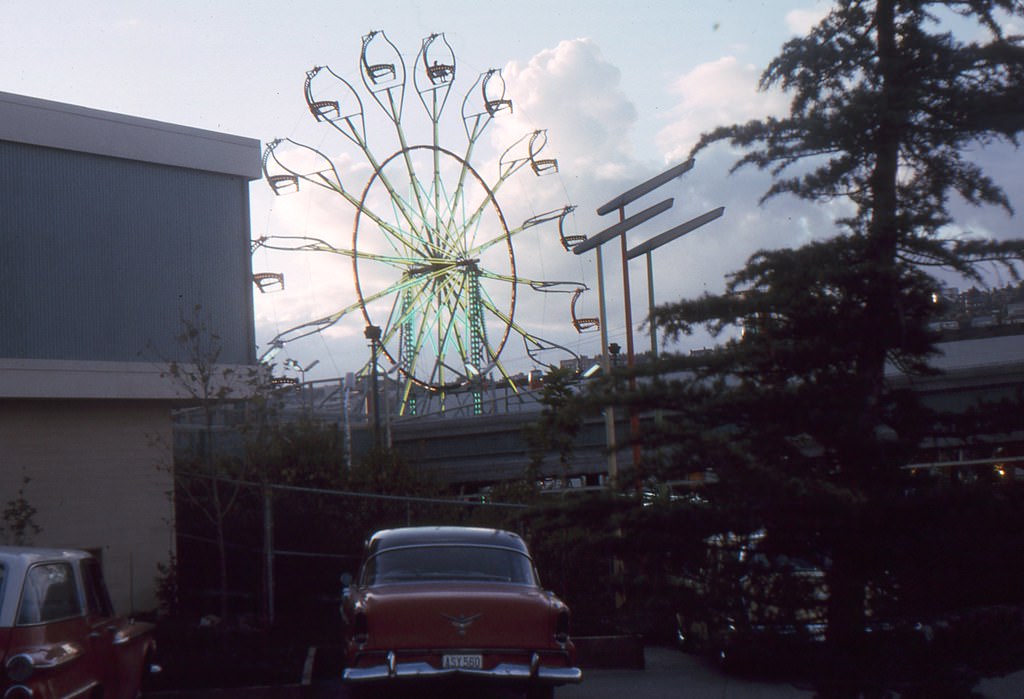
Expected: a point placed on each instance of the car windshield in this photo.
(432, 563)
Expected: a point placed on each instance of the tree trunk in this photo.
(847, 669)
(222, 553)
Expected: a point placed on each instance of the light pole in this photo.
(619, 204)
(619, 229)
(295, 366)
(373, 333)
(595, 242)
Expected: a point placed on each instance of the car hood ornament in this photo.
(461, 622)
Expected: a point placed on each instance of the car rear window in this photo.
(448, 563)
(49, 594)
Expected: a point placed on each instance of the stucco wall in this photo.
(100, 481)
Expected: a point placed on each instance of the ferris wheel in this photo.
(432, 253)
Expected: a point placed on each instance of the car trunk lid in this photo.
(453, 616)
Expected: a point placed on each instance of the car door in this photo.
(107, 658)
(50, 622)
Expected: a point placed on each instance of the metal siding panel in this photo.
(103, 257)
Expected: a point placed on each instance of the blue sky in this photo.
(623, 90)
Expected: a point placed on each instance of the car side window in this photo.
(97, 599)
(49, 594)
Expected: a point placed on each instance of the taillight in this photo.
(19, 668)
(360, 629)
(562, 627)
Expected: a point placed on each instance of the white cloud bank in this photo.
(713, 94)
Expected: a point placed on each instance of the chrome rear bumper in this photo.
(514, 672)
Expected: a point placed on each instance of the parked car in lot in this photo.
(746, 606)
(755, 607)
(59, 636)
(454, 602)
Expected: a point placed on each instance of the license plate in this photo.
(462, 662)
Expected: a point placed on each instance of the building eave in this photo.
(76, 380)
(57, 125)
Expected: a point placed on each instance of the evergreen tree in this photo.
(558, 427)
(794, 407)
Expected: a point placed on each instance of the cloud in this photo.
(713, 94)
(802, 21)
(573, 92)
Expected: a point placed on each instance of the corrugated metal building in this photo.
(113, 229)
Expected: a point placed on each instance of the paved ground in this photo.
(668, 674)
(671, 673)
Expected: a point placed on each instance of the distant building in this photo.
(112, 229)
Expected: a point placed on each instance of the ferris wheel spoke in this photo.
(283, 173)
(413, 214)
(437, 184)
(502, 238)
(410, 363)
(355, 132)
(538, 343)
(478, 109)
(441, 207)
(303, 243)
(406, 282)
(414, 181)
(399, 203)
(397, 236)
(398, 321)
(425, 330)
(407, 212)
(392, 231)
(417, 307)
(464, 171)
(488, 201)
(410, 265)
(556, 287)
(312, 327)
(489, 354)
(423, 230)
(480, 248)
(447, 336)
(462, 349)
(451, 335)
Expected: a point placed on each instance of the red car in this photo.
(59, 637)
(441, 602)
